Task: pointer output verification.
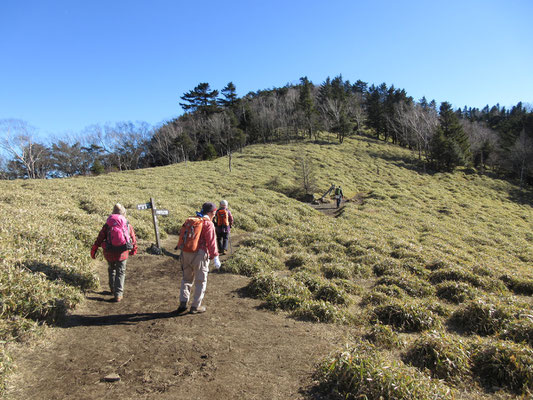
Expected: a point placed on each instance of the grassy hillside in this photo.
(433, 271)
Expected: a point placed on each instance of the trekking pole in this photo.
(230, 246)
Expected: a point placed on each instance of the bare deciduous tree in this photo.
(18, 142)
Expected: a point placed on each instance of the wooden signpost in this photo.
(155, 213)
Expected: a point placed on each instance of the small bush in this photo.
(249, 262)
(405, 317)
(337, 271)
(375, 298)
(263, 243)
(266, 284)
(517, 285)
(443, 356)
(361, 372)
(246, 223)
(297, 260)
(504, 364)
(319, 311)
(520, 331)
(312, 282)
(437, 264)
(348, 286)
(481, 317)
(455, 274)
(386, 267)
(331, 293)
(384, 337)
(412, 285)
(455, 292)
(389, 290)
(286, 302)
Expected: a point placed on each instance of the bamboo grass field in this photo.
(433, 270)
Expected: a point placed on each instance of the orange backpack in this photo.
(190, 234)
(222, 217)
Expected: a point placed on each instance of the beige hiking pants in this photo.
(195, 267)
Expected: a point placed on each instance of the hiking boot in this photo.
(182, 307)
(117, 299)
(197, 310)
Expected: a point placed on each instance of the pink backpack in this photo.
(118, 234)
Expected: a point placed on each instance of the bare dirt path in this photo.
(236, 350)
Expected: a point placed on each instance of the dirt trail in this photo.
(236, 350)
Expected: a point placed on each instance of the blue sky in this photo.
(66, 65)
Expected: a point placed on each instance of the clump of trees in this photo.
(218, 123)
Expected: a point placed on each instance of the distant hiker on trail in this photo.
(338, 195)
(223, 223)
(197, 243)
(118, 241)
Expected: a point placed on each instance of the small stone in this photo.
(112, 378)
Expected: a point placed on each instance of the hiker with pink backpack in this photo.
(117, 239)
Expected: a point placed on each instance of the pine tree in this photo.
(306, 103)
(230, 96)
(450, 146)
(201, 100)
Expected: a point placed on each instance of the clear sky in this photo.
(65, 65)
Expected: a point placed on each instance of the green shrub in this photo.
(265, 284)
(405, 317)
(386, 267)
(412, 285)
(443, 356)
(389, 290)
(335, 270)
(481, 317)
(331, 293)
(348, 286)
(504, 364)
(519, 331)
(455, 292)
(518, 285)
(33, 296)
(248, 261)
(384, 337)
(263, 243)
(319, 311)
(286, 302)
(437, 264)
(361, 372)
(312, 282)
(246, 223)
(455, 274)
(298, 260)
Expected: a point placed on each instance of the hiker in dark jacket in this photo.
(118, 230)
(338, 195)
(223, 222)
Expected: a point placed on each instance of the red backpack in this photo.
(190, 234)
(222, 217)
(118, 234)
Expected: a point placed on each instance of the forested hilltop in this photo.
(218, 123)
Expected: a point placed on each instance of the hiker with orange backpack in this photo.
(223, 223)
(118, 242)
(198, 245)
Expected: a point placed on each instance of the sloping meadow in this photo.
(433, 271)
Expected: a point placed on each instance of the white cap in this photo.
(223, 203)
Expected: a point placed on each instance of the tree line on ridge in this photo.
(218, 123)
